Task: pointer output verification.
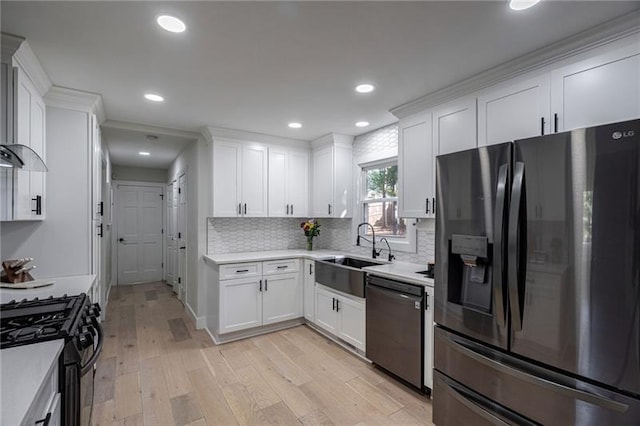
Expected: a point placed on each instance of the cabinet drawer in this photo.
(44, 399)
(240, 270)
(281, 266)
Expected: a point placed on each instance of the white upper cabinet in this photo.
(454, 126)
(416, 166)
(239, 179)
(514, 111)
(331, 186)
(288, 182)
(602, 89)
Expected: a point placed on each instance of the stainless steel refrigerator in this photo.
(537, 291)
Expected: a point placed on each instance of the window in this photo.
(380, 200)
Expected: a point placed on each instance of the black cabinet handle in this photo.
(427, 211)
(426, 301)
(260, 288)
(287, 208)
(245, 208)
(241, 270)
(265, 285)
(100, 230)
(541, 126)
(45, 421)
(433, 205)
(333, 308)
(310, 269)
(282, 267)
(122, 240)
(239, 208)
(555, 122)
(337, 305)
(38, 209)
(292, 209)
(329, 208)
(101, 208)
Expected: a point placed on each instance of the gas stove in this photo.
(72, 318)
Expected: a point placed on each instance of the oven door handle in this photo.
(96, 353)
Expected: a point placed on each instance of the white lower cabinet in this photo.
(428, 338)
(341, 315)
(266, 296)
(309, 290)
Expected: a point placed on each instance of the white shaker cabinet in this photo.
(331, 177)
(416, 166)
(516, 110)
(428, 337)
(288, 182)
(599, 90)
(341, 315)
(239, 179)
(240, 304)
(454, 126)
(309, 290)
(281, 295)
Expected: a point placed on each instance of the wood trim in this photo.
(605, 33)
(10, 44)
(77, 100)
(214, 133)
(145, 128)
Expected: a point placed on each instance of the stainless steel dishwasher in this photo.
(395, 321)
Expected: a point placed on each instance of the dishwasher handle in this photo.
(397, 295)
(397, 286)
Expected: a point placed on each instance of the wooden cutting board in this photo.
(27, 284)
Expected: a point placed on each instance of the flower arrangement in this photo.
(311, 229)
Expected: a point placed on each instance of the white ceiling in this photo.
(256, 66)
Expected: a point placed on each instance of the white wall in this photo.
(138, 174)
(61, 244)
(195, 159)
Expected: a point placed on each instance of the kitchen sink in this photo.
(344, 274)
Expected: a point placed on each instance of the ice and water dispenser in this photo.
(470, 272)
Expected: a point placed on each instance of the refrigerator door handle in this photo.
(539, 381)
(498, 244)
(516, 245)
(459, 394)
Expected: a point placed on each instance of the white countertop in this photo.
(403, 271)
(22, 371)
(259, 256)
(62, 285)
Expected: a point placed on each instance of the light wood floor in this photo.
(156, 369)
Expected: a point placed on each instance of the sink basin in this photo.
(344, 274)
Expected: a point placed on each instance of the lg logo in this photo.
(625, 134)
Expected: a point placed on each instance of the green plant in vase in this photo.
(311, 229)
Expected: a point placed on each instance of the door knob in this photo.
(183, 248)
(121, 240)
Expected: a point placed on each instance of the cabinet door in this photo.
(309, 290)
(416, 166)
(603, 89)
(326, 315)
(342, 184)
(298, 183)
(428, 338)
(454, 126)
(281, 298)
(226, 179)
(37, 179)
(240, 304)
(351, 320)
(513, 112)
(322, 185)
(254, 181)
(24, 98)
(278, 202)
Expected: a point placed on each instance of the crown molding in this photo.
(78, 100)
(333, 139)
(29, 63)
(592, 38)
(211, 134)
(10, 44)
(147, 128)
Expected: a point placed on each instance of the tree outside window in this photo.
(380, 201)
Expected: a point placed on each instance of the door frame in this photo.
(115, 184)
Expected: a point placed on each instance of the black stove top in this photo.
(38, 320)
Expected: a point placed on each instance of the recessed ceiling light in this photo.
(362, 124)
(522, 4)
(365, 88)
(153, 97)
(145, 153)
(171, 23)
(295, 125)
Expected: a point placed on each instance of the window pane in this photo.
(384, 224)
(381, 182)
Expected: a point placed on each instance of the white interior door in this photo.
(139, 221)
(182, 236)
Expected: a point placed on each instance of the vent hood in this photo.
(21, 157)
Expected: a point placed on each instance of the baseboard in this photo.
(252, 332)
(199, 322)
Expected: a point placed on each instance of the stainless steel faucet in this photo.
(391, 256)
(374, 252)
